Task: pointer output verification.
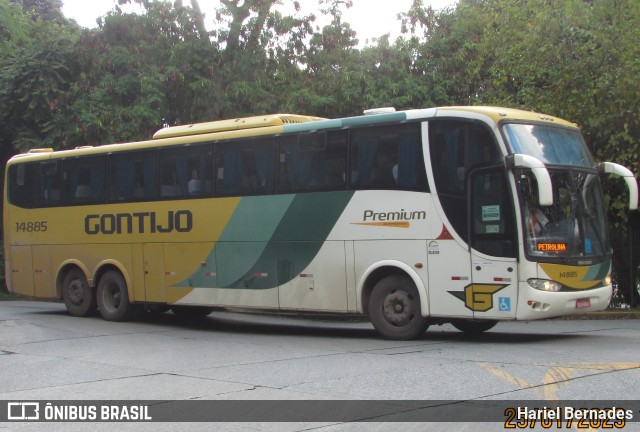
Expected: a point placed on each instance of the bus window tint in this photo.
(387, 157)
(456, 148)
(133, 176)
(312, 162)
(492, 227)
(49, 185)
(22, 185)
(84, 180)
(186, 172)
(246, 168)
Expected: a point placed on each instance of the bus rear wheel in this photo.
(394, 308)
(113, 298)
(474, 327)
(78, 296)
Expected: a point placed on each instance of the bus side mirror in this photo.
(627, 175)
(539, 171)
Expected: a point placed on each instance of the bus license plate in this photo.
(583, 303)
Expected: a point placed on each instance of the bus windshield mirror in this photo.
(629, 178)
(539, 171)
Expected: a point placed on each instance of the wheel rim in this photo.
(111, 296)
(397, 308)
(75, 292)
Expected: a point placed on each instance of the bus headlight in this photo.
(545, 285)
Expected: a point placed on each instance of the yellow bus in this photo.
(467, 215)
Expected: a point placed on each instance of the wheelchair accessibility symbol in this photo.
(504, 304)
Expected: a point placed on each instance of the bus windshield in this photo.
(551, 145)
(574, 227)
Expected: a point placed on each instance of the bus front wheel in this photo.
(78, 296)
(394, 308)
(113, 298)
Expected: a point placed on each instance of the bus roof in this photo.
(233, 124)
(499, 114)
(290, 123)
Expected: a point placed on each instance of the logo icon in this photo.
(479, 297)
(504, 304)
(23, 411)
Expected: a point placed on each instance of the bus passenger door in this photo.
(493, 291)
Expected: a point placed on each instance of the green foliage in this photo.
(45, 10)
(36, 73)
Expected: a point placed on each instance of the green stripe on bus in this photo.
(598, 272)
(346, 122)
(269, 240)
(297, 240)
(242, 241)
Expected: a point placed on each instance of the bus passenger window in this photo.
(133, 176)
(49, 184)
(458, 147)
(186, 172)
(312, 162)
(387, 157)
(21, 185)
(246, 167)
(336, 160)
(84, 180)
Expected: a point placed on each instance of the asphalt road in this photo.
(47, 355)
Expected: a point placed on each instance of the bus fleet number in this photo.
(39, 226)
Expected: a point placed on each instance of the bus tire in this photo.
(78, 296)
(474, 327)
(113, 298)
(394, 308)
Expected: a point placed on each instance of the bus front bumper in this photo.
(534, 304)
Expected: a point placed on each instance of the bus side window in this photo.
(133, 176)
(457, 147)
(312, 162)
(48, 184)
(84, 180)
(336, 160)
(387, 157)
(246, 167)
(186, 172)
(22, 185)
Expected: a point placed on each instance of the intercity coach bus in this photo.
(467, 215)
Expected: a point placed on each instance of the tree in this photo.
(46, 10)
(140, 71)
(36, 74)
(576, 59)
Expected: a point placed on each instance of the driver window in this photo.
(492, 221)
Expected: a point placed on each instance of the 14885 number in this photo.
(39, 226)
